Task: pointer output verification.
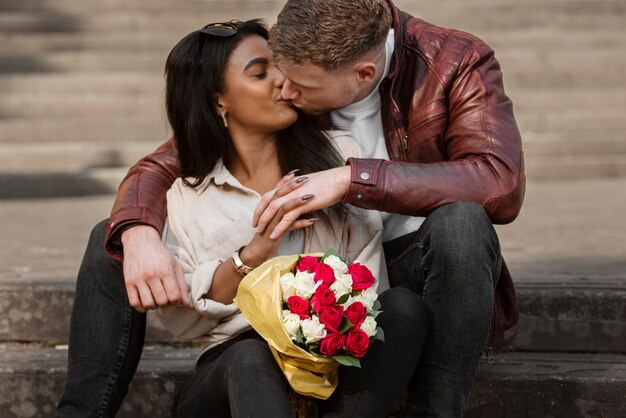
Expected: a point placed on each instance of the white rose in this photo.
(291, 322)
(313, 330)
(342, 285)
(367, 298)
(338, 266)
(369, 326)
(286, 283)
(305, 285)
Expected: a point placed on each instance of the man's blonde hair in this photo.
(329, 33)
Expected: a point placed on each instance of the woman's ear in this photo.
(220, 104)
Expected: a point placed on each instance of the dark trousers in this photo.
(453, 261)
(106, 337)
(240, 378)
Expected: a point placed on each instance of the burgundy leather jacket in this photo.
(451, 136)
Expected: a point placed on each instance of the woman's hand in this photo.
(262, 247)
(330, 187)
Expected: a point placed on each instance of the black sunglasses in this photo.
(222, 29)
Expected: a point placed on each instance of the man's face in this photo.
(315, 90)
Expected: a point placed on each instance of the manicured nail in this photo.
(307, 197)
(293, 171)
(313, 220)
(301, 179)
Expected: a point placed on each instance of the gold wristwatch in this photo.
(239, 265)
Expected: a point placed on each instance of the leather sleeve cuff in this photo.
(366, 181)
(121, 221)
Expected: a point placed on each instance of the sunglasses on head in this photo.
(222, 29)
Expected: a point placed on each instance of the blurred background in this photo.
(81, 99)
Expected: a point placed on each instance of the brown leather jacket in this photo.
(450, 133)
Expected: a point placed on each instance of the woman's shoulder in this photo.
(344, 142)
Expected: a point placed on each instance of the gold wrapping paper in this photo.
(259, 299)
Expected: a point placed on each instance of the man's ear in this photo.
(365, 72)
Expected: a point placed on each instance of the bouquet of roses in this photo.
(330, 307)
(316, 312)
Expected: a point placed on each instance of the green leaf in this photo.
(376, 305)
(348, 361)
(380, 335)
(374, 314)
(343, 299)
(299, 337)
(345, 325)
(332, 251)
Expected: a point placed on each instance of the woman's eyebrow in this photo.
(254, 61)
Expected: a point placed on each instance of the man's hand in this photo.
(329, 187)
(153, 276)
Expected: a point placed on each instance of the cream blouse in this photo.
(207, 224)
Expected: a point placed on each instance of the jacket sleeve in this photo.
(140, 198)
(483, 148)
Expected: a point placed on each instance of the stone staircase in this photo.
(81, 98)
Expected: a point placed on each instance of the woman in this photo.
(237, 139)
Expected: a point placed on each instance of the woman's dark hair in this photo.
(194, 74)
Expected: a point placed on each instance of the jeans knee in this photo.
(251, 355)
(400, 304)
(462, 227)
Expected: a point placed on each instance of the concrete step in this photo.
(80, 105)
(525, 385)
(70, 157)
(516, 385)
(15, 133)
(566, 315)
(572, 168)
(80, 8)
(471, 15)
(76, 83)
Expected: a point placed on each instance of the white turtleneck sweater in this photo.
(364, 120)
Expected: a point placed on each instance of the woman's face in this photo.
(252, 98)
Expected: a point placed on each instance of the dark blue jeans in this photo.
(453, 261)
(240, 377)
(106, 337)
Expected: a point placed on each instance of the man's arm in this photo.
(152, 276)
(482, 144)
(140, 198)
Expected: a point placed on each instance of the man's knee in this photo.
(462, 225)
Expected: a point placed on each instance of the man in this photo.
(443, 161)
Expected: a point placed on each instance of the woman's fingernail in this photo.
(307, 197)
(313, 220)
(301, 179)
(293, 171)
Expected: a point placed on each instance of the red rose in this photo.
(357, 343)
(332, 317)
(307, 264)
(299, 306)
(356, 313)
(362, 277)
(325, 273)
(332, 343)
(323, 298)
